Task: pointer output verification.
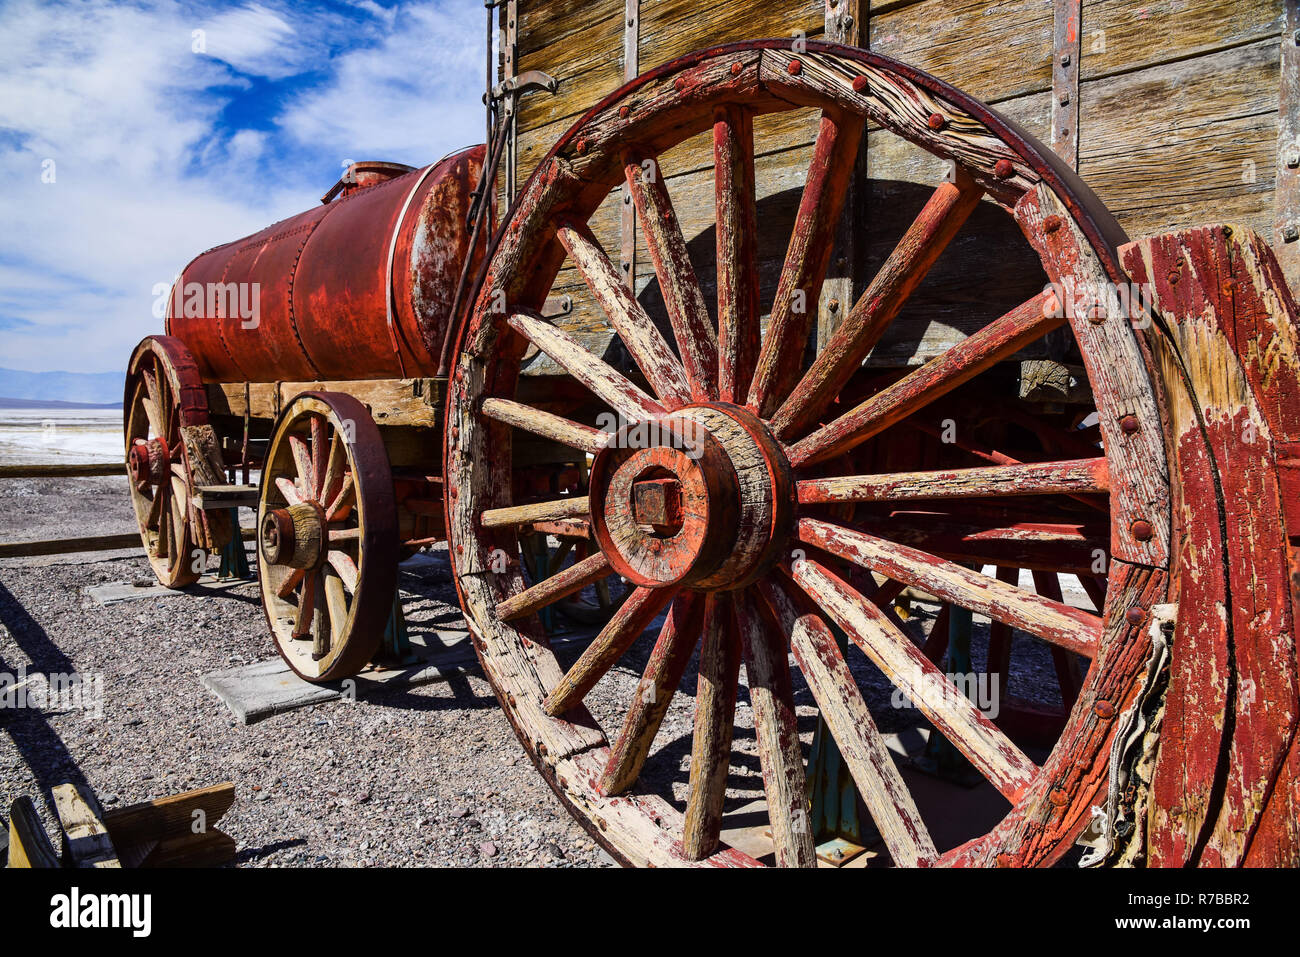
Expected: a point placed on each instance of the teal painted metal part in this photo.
(397, 639)
(234, 560)
(832, 794)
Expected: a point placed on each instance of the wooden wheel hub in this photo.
(148, 462)
(699, 498)
(292, 536)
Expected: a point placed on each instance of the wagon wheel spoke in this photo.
(546, 424)
(152, 406)
(927, 237)
(162, 544)
(689, 316)
(344, 567)
(302, 462)
(336, 602)
(806, 261)
(320, 450)
(618, 635)
(1062, 547)
(737, 242)
(955, 717)
(998, 658)
(633, 324)
(1043, 478)
(845, 712)
(663, 672)
(289, 491)
(1054, 622)
(998, 340)
(291, 581)
(343, 501)
(715, 707)
(302, 621)
(776, 730)
(573, 507)
(620, 394)
(334, 466)
(560, 585)
(156, 507)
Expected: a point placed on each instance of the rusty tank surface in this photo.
(360, 287)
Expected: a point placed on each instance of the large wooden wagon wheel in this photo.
(742, 516)
(327, 536)
(165, 416)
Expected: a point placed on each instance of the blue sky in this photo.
(163, 141)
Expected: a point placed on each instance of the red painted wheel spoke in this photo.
(336, 603)
(343, 500)
(546, 424)
(663, 672)
(614, 640)
(806, 261)
(776, 729)
(977, 352)
(737, 241)
(334, 466)
(289, 490)
(715, 707)
(345, 567)
(1042, 478)
(302, 462)
(550, 590)
(950, 711)
(153, 406)
(867, 321)
(851, 725)
(678, 283)
(621, 395)
(1071, 628)
(634, 326)
(319, 455)
(553, 510)
(1065, 547)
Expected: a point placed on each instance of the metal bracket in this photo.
(627, 210)
(1066, 49)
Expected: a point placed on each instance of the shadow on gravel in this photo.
(35, 738)
(266, 850)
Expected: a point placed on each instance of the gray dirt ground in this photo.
(425, 776)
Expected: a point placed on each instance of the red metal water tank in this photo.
(360, 287)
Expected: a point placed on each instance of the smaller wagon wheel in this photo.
(327, 534)
(163, 394)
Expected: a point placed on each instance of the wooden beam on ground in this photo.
(85, 839)
(63, 470)
(29, 845)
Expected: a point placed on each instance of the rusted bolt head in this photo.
(623, 111)
(1003, 168)
(1142, 530)
(833, 305)
(1058, 797)
(1129, 424)
(679, 84)
(936, 122)
(736, 68)
(1228, 286)
(1052, 223)
(1173, 277)
(580, 147)
(1003, 860)
(1104, 709)
(1051, 306)
(1290, 234)
(1097, 313)
(1135, 616)
(794, 67)
(859, 84)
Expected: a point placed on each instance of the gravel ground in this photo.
(425, 776)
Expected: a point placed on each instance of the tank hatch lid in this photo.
(365, 173)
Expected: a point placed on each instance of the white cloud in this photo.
(147, 172)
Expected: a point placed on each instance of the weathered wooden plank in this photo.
(409, 402)
(85, 838)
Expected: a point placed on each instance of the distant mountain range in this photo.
(64, 388)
